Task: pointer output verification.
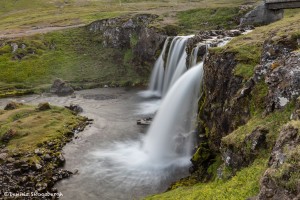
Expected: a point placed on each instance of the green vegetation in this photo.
(26, 128)
(248, 48)
(209, 19)
(31, 127)
(272, 122)
(28, 14)
(74, 55)
(245, 184)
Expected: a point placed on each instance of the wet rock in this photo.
(44, 106)
(61, 88)
(75, 108)
(61, 160)
(146, 121)
(12, 105)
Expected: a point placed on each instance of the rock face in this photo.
(227, 104)
(131, 33)
(281, 179)
(262, 16)
(61, 88)
(280, 67)
(221, 104)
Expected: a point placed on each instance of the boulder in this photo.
(75, 108)
(61, 88)
(44, 106)
(12, 105)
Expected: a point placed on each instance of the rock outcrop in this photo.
(133, 33)
(230, 101)
(282, 179)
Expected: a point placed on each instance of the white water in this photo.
(169, 136)
(194, 55)
(157, 76)
(176, 55)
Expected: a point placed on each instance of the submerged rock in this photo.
(146, 121)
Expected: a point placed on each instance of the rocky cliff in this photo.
(243, 118)
(134, 34)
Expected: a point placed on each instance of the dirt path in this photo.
(25, 33)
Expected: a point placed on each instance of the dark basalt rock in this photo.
(75, 108)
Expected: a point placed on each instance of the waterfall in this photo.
(194, 55)
(157, 76)
(176, 58)
(165, 74)
(170, 134)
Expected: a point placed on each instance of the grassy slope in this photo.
(26, 14)
(246, 182)
(71, 54)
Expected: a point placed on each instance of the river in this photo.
(107, 155)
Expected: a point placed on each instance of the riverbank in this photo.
(32, 138)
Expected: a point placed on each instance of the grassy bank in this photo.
(73, 55)
(245, 184)
(25, 14)
(26, 127)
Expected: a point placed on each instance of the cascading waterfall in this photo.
(176, 62)
(163, 154)
(157, 76)
(165, 74)
(194, 55)
(169, 135)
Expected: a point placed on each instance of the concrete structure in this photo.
(282, 4)
(268, 11)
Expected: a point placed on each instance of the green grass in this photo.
(273, 122)
(248, 48)
(26, 14)
(245, 184)
(33, 127)
(209, 18)
(74, 55)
